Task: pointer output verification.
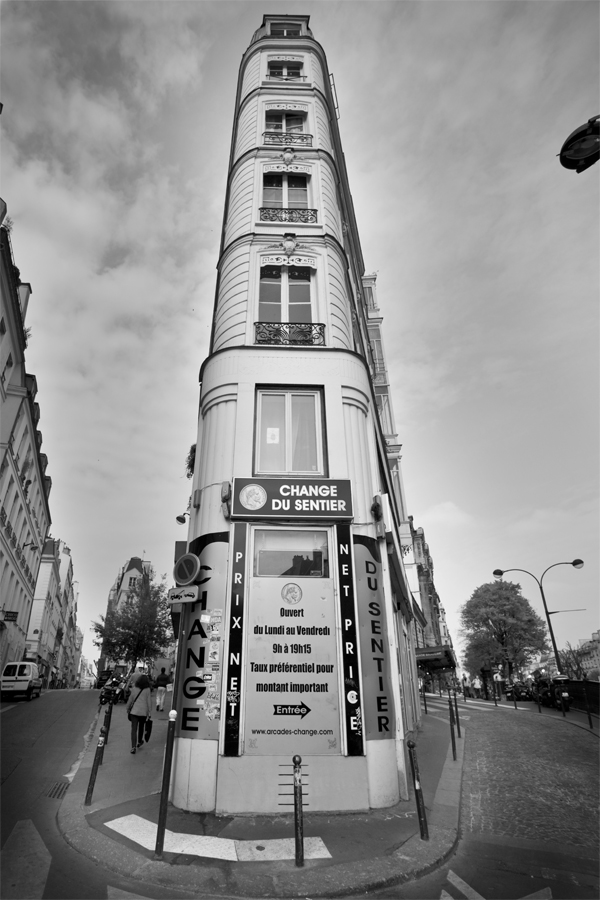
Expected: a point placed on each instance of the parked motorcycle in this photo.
(559, 690)
(111, 692)
(519, 690)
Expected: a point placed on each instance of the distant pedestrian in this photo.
(139, 707)
(477, 687)
(161, 683)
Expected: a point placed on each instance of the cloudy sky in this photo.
(115, 140)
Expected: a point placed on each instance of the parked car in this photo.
(20, 678)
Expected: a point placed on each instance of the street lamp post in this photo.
(577, 563)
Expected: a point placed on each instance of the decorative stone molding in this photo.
(282, 167)
(292, 107)
(282, 260)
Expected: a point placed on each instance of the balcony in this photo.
(287, 138)
(287, 333)
(286, 77)
(305, 216)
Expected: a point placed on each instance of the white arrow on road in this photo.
(25, 863)
(471, 894)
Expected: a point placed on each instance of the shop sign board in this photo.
(378, 699)
(292, 498)
(199, 687)
(292, 691)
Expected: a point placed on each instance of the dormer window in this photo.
(285, 29)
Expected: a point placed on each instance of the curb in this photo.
(411, 860)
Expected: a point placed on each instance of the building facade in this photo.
(127, 578)
(436, 657)
(24, 485)
(295, 608)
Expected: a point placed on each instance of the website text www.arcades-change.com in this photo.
(309, 732)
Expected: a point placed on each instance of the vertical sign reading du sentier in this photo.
(236, 643)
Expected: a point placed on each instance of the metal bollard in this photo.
(412, 753)
(587, 705)
(452, 728)
(537, 697)
(457, 716)
(425, 699)
(107, 720)
(164, 792)
(94, 772)
(562, 704)
(298, 822)
(103, 734)
(494, 693)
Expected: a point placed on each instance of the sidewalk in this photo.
(253, 856)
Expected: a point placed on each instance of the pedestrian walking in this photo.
(139, 707)
(161, 683)
(477, 687)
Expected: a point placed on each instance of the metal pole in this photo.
(494, 691)
(412, 754)
(452, 728)
(537, 697)
(514, 693)
(424, 698)
(554, 647)
(457, 717)
(164, 792)
(587, 705)
(562, 703)
(94, 772)
(298, 822)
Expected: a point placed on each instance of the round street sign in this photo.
(582, 148)
(187, 569)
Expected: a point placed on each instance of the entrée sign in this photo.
(294, 498)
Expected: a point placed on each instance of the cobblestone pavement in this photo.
(530, 777)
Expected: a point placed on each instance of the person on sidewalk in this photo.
(161, 683)
(477, 687)
(139, 707)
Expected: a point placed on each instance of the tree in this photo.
(501, 627)
(141, 627)
(571, 660)
(190, 462)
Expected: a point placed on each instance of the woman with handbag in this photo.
(139, 707)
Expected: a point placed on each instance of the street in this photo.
(529, 812)
(42, 742)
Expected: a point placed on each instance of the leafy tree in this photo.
(571, 659)
(500, 627)
(190, 461)
(141, 628)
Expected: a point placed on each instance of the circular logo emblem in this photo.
(291, 593)
(352, 697)
(253, 496)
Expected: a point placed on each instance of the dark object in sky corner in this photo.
(582, 148)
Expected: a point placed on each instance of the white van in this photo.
(20, 678)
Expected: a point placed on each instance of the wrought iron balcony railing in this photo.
(286, 77)
(311, 333)
(287, 138)
(276, 214)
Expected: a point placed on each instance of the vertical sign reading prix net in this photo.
(232, 700)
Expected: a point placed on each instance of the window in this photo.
(284, 294)
(285, 191)
(286, 71)
(286, 122)
(289, 432)
(285, 29)
(291, 554)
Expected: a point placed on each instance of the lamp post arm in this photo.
(539, 581)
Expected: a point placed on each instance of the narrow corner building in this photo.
(297, 632)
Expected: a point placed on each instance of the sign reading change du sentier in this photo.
(305, 498)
